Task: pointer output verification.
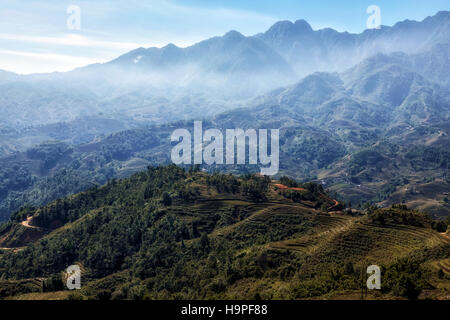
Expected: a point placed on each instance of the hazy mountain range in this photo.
(156, 84)
(365, 114)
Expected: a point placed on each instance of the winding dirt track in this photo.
(336, 203)
(445, 235)
(27, 222)
(283, 187)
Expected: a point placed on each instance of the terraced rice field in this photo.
(323, 236)
(327, 226)
(444, 265)
(10, 287)
(346, 238)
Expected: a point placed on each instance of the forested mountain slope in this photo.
(169, 233)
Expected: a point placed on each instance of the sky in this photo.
(47, 36)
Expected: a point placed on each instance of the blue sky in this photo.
(34, 36)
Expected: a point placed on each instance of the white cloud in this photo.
(25, 62)
(72, 40)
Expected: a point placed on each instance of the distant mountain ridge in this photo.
(155, 85)
(380, 125)
(328, 50)
(303, 49)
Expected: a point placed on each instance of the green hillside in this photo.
(168, 233)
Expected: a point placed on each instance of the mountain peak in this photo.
(439, 17)
(444, 14)
(287, 28)
(281, 26)
(233, 34)
(302, 25)
(170, 46)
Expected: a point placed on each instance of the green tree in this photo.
(166, 199)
